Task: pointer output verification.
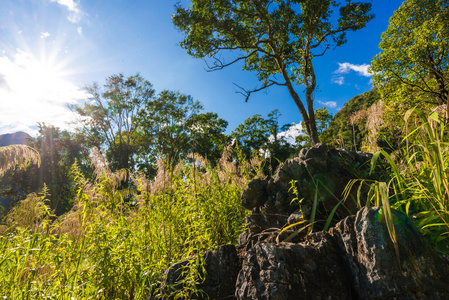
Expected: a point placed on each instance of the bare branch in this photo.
(247, 93)
(219, 65)
(324, 51)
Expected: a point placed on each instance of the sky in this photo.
(51, 49)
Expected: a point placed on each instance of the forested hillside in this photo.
(350, 126)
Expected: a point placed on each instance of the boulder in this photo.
(377, 271)
(323, 168)
(308, 270)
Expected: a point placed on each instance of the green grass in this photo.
(419, 184)
(107, 247)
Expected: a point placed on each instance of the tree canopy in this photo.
(276, 39)
(415, 54)
(108, 117)
(172, 125)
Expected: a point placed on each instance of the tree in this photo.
(164, 127)
(171, 126)
(252, 135)
(348, 128)
(272, 38)
(257, 135)
(109, 117)
(209, 138)
(58, 150)
(415, 54)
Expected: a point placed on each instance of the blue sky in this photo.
(50, 49)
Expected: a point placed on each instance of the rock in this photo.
(308, 270)
(320, 167)
(375, 270)
(255, 194)
(171, 282)
(216, 278)
(222, 267)
(355, 260)
(261, 219)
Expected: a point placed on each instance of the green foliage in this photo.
(420, 183)
(258, 136)
(413, 63)
(105, 248)
(29, 213)
(348, 128)
(208, 136)
(171, 126)
(108, 118)
(135, 127)
(252, 134)
(271, 38)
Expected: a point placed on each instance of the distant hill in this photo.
(345, 133)
(14, 138)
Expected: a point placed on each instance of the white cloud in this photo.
(331, 104)
(45, 35)
(289, 135)
(72, 6)
(31, 92)
(80, 30)
(340, 80)
(362, 70)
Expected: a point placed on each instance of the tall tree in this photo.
(208, 135)
(259, 135)
(415, 54)
(108, 117)
(172, 125)
(272, 38)
(323, 119)
(164, 128)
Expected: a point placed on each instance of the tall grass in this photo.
(115, 242)
(419, 184)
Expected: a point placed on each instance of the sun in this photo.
(40, 77)
(35, 90)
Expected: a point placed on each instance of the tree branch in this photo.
(247, 93)
(219, 65)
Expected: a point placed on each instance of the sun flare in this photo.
(35, 90)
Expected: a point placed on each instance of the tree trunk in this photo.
(308, 119)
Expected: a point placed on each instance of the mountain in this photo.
(14, 138)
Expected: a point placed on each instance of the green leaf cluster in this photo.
(412, 67)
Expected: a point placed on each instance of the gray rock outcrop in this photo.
(216, 279)
(321, 168)
(355, 260)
